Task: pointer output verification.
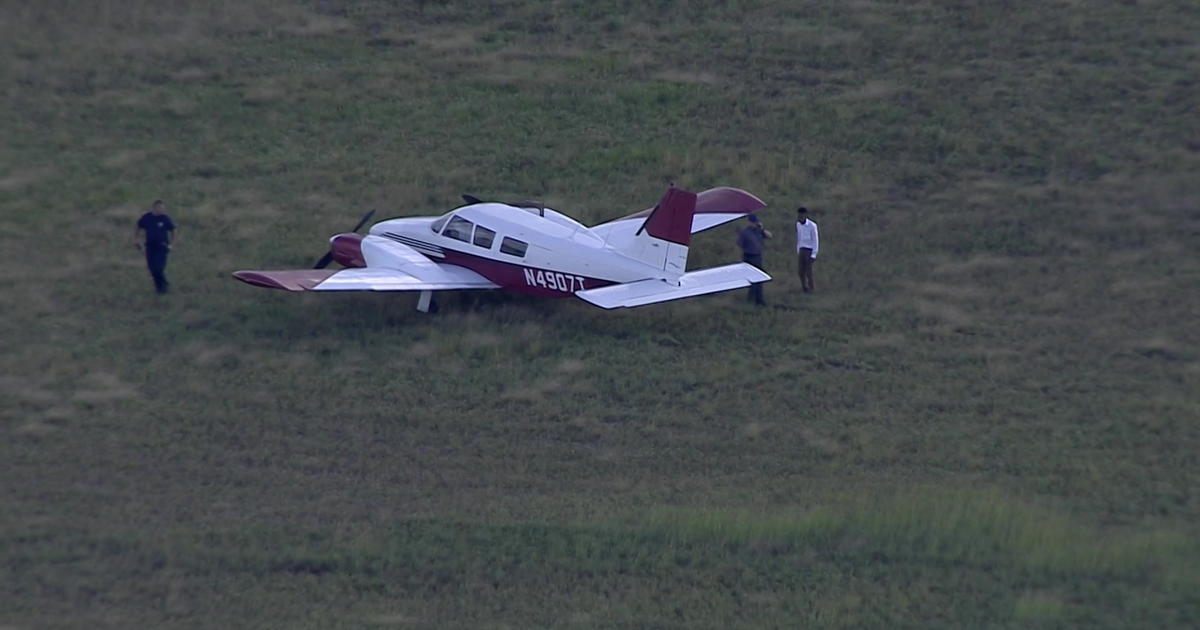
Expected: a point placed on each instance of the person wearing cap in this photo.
(155, 233)
(807, 244)
(750, 240)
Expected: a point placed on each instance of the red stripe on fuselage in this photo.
(515, 276)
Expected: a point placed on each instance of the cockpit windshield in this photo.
(459, 229)
(437, 225)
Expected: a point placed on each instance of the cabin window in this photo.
(437, 225)
(484, 237)
(459, 229)
(513, 247)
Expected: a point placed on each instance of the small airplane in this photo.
(526, 247)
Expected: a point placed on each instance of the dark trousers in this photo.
(806, 265)
(156, 261)
(756, 290)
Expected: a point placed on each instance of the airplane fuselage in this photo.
(535, 251)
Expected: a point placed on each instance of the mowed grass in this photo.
(986, 416)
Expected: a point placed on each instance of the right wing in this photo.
(390, 266)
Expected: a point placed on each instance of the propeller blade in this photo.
(325, 260)
(366, 217)
(471, 199)
(328, 257)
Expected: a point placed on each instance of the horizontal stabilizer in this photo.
(714, 207)
(653, 290)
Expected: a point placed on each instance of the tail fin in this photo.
(662, 241)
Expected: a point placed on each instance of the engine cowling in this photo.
(347, 250)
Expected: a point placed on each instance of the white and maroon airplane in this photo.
(631, 261)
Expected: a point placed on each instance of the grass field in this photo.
(987, 416)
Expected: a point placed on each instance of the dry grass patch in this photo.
(687, 76)
(479, 340)
(103, 387)
(1038, 606)
(59, 413)
(973, 265)
(447, 41)
(420, 350)
(264, 93)
(822, 444)
(17, 388)
(35, 428)
(535, 391)
(193, 74)
(949, 317)
(882, 340)
(942, 290)
(27, 177)
(872, 90)
(1163, 347)
(313, 24)
(755, 429)
(571, 367)
(393, 619)
(204, 354)
(123, 158)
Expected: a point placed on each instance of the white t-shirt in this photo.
(806, 236)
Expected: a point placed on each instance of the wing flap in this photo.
(444, 278)
(653, 290)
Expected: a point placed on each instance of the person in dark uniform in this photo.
(155, 233)
(750, 240)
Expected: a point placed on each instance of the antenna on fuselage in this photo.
(540, 205)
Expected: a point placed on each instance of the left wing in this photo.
(390, 266)
(444, 278)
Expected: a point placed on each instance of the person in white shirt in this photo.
(807, 244)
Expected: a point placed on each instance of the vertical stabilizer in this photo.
(662, 241)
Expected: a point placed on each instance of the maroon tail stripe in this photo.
(671, 220)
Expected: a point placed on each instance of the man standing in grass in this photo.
(750, 240)
(156, 232)
(807, 244)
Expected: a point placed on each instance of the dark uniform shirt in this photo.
(156, 226)
(750, 239)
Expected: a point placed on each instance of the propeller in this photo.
(328, 257)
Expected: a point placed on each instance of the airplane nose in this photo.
(347, 249)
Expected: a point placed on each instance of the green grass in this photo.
(986, 417)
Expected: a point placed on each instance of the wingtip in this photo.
(288, 280)
(728, 199)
